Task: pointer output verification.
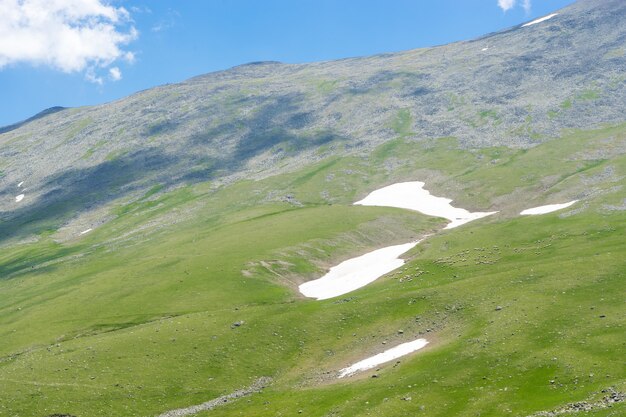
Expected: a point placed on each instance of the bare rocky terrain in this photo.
(515, 88)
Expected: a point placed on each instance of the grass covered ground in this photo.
(523, 313)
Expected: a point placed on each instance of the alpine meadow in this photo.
(160, 254)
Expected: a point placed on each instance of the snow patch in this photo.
(19, 198)
(485, 49)
(20, 184)
(85, 231)
(546, 209)
(355, 273)
(541, 19)
(386, 356)
(413, 196)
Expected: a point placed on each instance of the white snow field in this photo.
(360, 271)
(413, 196)
(356, 272)
(546, 209)
(19, 198)
(541, 19)
(386, 356)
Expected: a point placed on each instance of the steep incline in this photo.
(515, 88)
(163, 237)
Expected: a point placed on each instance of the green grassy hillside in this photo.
(524, 314)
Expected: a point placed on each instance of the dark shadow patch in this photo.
(60, 415)
(76, 191)
(208, 137)
(300, 120)
(38, 260)
(206, 168)
(283, 141)
(421, 91)
(258, 142)
(381, 81)
(161, 128)
(515, 71)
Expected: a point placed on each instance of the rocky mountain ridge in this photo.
(515, 88)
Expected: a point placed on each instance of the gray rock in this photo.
(256, 120)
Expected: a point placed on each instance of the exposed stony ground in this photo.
(610, 397)
(515, 88)
(258, 386)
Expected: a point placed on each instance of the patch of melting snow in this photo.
(541, 19)
(20, 184)
(386, 356)
(547, 209)
(19, 198)
(360, 271)
(357, 272)
(86, 231)
(413, 196)
(485, 49)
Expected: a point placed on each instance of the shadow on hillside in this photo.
(388, 80)
(272, 128)
(75, 191)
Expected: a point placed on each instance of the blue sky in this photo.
(81, 52)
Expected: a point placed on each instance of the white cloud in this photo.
(92, 77)
(68, 35)
(130, 57)
(506, 4)
(115, 74)
(169, 22)
(140, 9)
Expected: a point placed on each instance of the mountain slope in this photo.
(154, 260)
(261, 119)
